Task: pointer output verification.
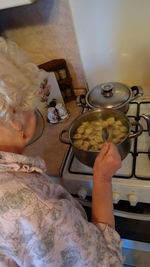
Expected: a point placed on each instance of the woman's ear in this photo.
(16, 124)
(25, 126)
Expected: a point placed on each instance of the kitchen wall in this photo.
(114, 40)
(45, 30)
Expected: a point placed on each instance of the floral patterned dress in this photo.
(41, 225)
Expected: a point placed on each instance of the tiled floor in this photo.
(134, 258)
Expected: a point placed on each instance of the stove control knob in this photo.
(82, 193)
(116, 197)
(133, 199)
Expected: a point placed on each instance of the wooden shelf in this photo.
(60, 68)
(67, 80)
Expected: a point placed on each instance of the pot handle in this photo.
(136, 123)
(137, 91)
(147, 118)
(80, 100)
(62, 139)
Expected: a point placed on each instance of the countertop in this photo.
(48, 145)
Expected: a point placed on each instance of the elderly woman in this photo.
(40, 223)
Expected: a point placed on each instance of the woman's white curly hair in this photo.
(19, 80)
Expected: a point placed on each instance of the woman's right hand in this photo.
(107, 163)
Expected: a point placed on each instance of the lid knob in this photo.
(107, 89)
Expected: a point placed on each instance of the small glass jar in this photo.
(68, 92)
(57, 76)
(62, 74)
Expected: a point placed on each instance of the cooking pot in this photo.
(88, 157)
(112, 95)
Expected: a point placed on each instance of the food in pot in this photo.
(88, 136)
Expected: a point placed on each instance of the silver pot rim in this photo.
(100, 110)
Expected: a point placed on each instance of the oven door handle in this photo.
(119, 213)
(131, 215)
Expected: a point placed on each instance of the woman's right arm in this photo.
(106, 164)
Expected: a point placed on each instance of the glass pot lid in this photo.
(109, 95)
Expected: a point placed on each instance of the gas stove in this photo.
(130, 183)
